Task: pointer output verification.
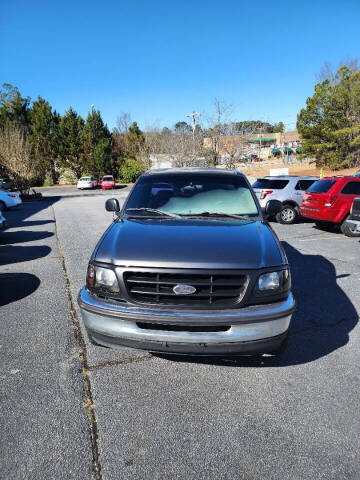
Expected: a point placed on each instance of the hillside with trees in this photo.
(40, 146)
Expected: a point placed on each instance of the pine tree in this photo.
(97, 152)
(43, 124)
(13, 107)
(134, 140)
(71, 150)
(330, 123)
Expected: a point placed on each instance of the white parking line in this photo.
(338, 237)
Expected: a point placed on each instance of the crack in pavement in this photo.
(125, 361)
(81, 349)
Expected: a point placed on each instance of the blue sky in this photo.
(160, 60)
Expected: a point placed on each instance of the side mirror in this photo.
(272, 208)
(112, 205)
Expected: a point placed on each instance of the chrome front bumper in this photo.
(111, 324)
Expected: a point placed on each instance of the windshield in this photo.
(321, 186)
(108, 179)
(189, 194)
(85, 179)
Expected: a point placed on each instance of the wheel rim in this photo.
(287, 214)
(353, 228)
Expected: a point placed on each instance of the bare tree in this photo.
(123, 122)
(327, 71)
(226, 144)
(15, 156)
(177, 145)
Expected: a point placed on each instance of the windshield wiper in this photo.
(216, 214)
(153, 210)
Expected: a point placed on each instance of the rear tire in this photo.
(288, 215)
(348, 230)
(2, 206)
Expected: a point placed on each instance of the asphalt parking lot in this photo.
(67, 405)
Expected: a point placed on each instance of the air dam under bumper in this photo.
(252, 330)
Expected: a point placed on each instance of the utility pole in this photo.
(260, 138)
(193, 115)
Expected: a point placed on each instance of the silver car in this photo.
(288, 189)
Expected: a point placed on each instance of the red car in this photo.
(108, 182)
(329, 200)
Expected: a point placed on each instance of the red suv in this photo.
(328, 201)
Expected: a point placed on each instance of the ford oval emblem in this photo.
(182, 289)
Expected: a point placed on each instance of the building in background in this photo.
(263, 145)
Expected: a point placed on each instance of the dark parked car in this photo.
(6, 183)
(190, 266)
(3, 222)
(351, 227)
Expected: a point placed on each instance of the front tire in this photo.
(287, 216)
(2, 205)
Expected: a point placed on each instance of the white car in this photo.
(86, 182)
(9, 199)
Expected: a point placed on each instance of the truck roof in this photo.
(195, 170)
(289, 177)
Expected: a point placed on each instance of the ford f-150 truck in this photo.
(190, 265)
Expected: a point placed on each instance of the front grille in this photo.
(156, 288)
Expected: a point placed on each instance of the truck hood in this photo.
(190, 244)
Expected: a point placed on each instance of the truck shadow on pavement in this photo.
(10, 253)
(17, 285)
(22, 236)
(321, 323)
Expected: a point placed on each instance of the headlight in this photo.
(273, 281)
(269, 281)
(102, 277)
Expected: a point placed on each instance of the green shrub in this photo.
(131, 170)
(67, 177)
(48, 182)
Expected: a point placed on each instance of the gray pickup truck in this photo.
(189, 266)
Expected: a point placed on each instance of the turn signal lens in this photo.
(90, 277)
